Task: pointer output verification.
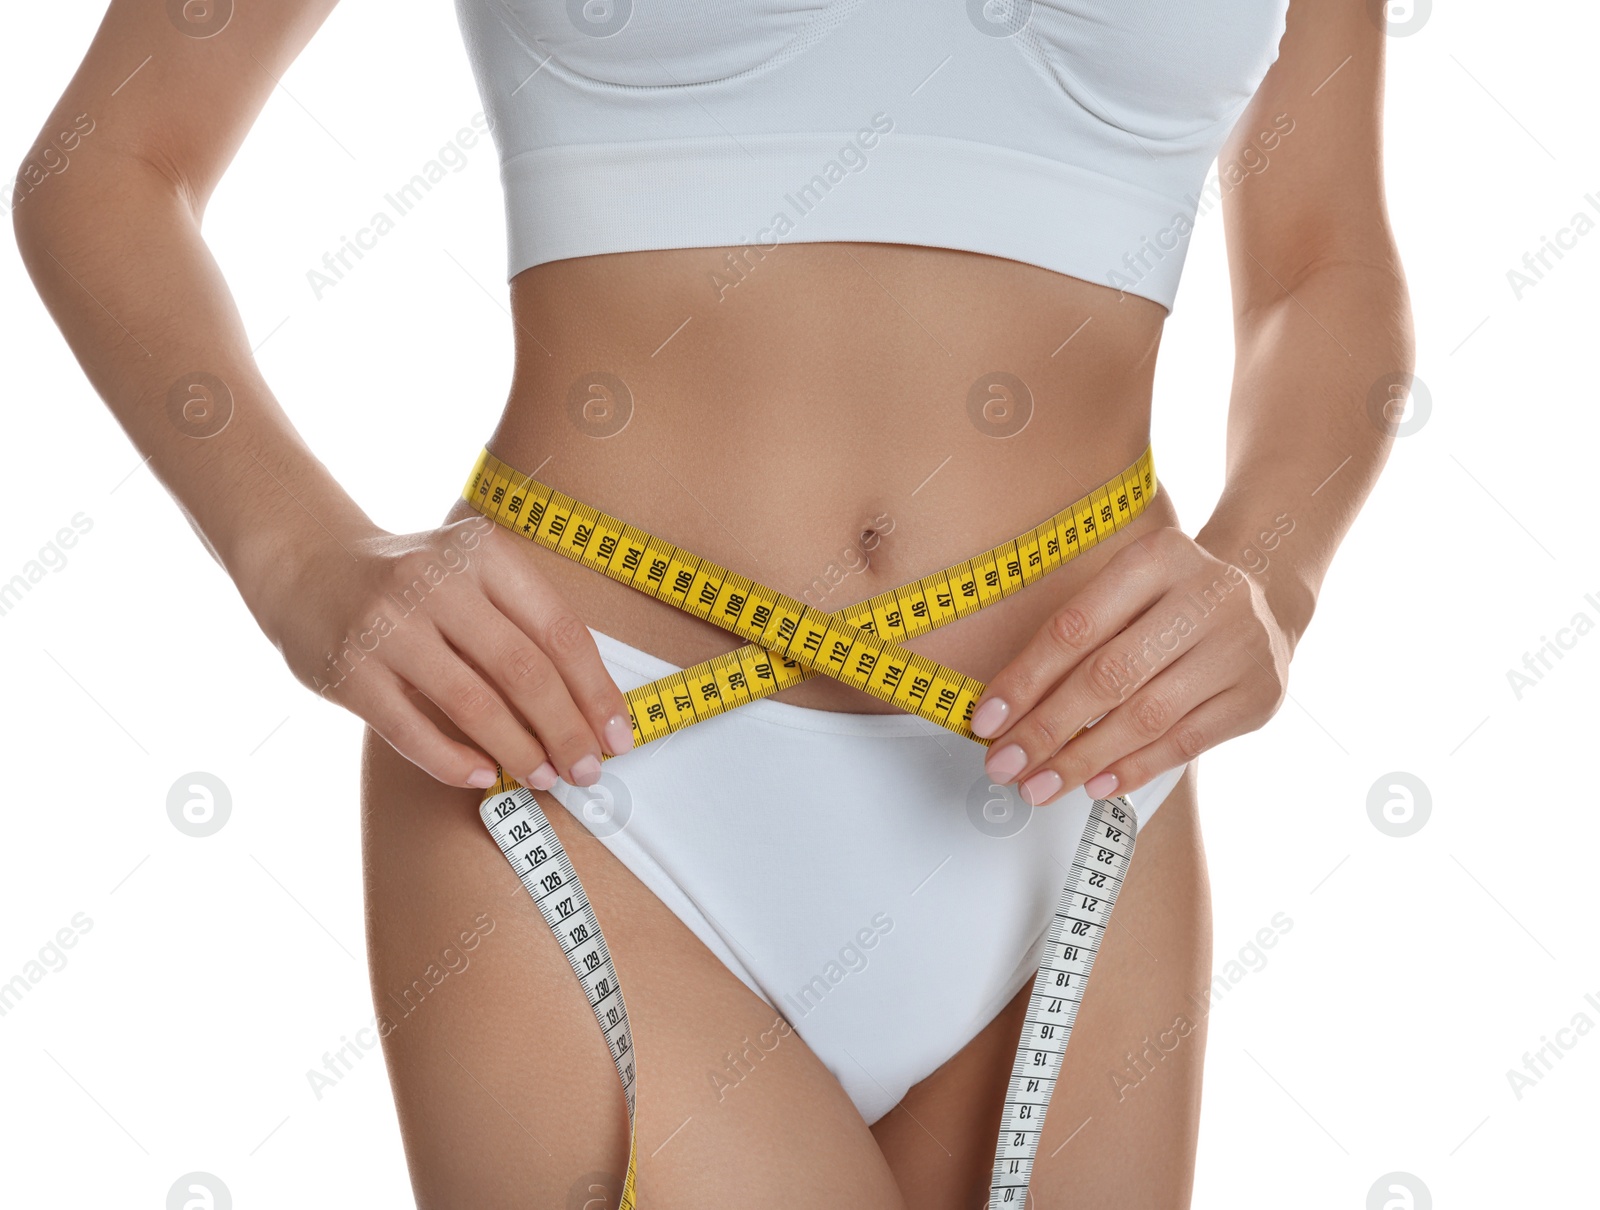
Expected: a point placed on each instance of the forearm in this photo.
(144, 307)
(1306, 441)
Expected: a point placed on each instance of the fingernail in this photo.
(1040, 786)
(1005, 764)
(990, 717)
(543, 777)
(618, 732)
(586, 771)
(1100, 785)
(482, 779)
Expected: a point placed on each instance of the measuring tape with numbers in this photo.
(788, 642)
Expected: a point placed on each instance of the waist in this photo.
(866, 415)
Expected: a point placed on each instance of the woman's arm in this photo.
(112, 241)
(1323, 343)
(1184, 642)
(114, 248)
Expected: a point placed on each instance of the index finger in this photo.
(543, 615)
(1120, 592)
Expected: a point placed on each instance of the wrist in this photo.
(1261, 550)
(273, 561)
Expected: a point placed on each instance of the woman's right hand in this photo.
(460, 616)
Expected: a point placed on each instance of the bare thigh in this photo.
(1123, 1122)
(505, 1090)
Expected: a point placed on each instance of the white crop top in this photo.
(1071, 134)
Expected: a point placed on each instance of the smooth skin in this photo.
(884, 342)
(507, 1095)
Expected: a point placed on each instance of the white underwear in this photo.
(858, 872)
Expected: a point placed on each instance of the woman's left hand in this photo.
(1177, 649)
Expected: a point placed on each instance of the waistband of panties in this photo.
(782, 714)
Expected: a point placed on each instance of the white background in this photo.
(1378, 1034)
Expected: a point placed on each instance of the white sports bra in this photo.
(1071, 134)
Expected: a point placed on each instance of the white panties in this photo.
(858, 872)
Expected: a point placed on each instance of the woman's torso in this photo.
(831, 419)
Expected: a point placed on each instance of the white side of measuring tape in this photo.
(1083, 913)
(519, 826)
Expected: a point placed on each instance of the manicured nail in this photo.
(543, 777)
(618, 732)
(1100, 785)
(990, 717)
(482, 779)
(586, 771)
(1040, 786)
(1005, 764)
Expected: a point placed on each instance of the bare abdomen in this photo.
(843, 419)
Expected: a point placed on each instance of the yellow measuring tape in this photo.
(858, 645)
(790, 641)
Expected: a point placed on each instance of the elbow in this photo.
(35, 230)
(16, 197)
(1366, 283)
(38, 186)
(22, 203)
(90, 210)
(1381, 279)
(39, 202)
